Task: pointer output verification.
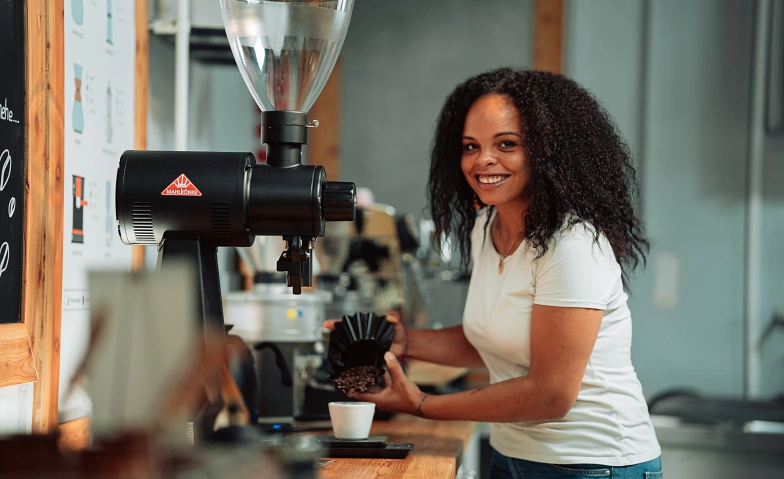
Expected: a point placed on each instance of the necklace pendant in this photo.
(501, 266)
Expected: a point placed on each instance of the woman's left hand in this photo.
(399, 393)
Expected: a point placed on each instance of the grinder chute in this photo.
(190, 203)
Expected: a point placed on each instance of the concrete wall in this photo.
(400, 61)
(772, 284)
(605, 48)
(684, 105)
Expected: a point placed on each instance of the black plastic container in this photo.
(361, 339)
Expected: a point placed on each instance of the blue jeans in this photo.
(503, 467)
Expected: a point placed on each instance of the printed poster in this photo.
(100, 56)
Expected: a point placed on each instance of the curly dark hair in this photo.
(577, 162)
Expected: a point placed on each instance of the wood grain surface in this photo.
(17, 365)
(549, 35)
(42, 277)
(477, 378)
(438, 450)
(73, 436)
(429, 374)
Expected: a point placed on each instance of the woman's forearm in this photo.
(447, 346)
(514, 400)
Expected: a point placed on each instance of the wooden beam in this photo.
(43, 263)
(142, 74)
(548, 35)
(142, 92)
(47, 351)
(324, 142)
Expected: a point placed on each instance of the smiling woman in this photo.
(574, 162)
(528, 173)
(494, 165)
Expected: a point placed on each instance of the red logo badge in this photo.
(182, 186)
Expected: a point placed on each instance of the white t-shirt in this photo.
(609, 423)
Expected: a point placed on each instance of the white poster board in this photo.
(100, 56)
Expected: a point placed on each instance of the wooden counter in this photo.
(428, 374)
(438, 450)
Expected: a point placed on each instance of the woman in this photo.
(552, 247)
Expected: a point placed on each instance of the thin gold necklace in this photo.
(502, 257)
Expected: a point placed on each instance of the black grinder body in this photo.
(190, 203)
(224, 196)
(172, 191)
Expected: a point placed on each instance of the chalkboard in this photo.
(12, 156)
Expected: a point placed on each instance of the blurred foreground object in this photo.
(147, 339)
(152, 371)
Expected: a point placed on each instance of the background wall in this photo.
(400, 61)
(772, 284)
(684, 106)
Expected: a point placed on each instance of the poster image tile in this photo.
(77, 117)
(79, 203)
(77, 11)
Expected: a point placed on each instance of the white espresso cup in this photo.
(351, 420)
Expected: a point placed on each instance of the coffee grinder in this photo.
(190, 203)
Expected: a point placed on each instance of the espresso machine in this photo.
(284, 333)
(190, 203)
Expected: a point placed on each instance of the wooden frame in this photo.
(29, 351)
(24, 346)
(17, 364)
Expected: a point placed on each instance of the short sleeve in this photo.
(576, 272)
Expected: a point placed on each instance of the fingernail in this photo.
(389, 357)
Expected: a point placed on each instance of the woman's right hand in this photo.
(398, 347)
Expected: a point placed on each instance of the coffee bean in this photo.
(357, 379)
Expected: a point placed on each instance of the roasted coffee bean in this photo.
(357, 379)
